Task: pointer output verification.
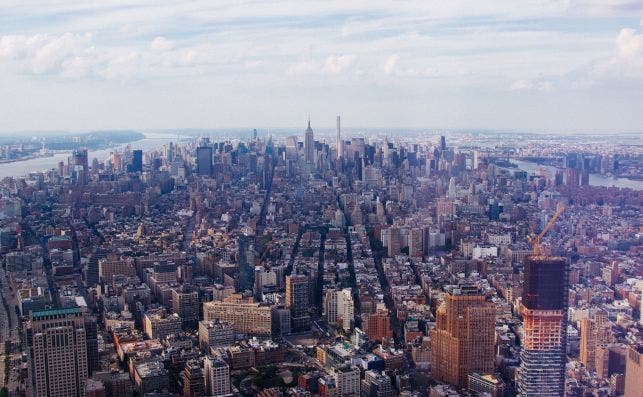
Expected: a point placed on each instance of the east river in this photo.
(594, 179)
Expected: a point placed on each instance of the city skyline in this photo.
(460, 65)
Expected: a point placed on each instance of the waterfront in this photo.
(594, 179)
(152, 141)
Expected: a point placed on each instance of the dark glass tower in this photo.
(204, 161)
(137, 161)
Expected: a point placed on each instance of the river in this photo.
(152, 141)
(594, 179)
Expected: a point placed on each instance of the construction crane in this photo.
(535, 239)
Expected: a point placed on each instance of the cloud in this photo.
(391, 67)
(336, 64)
(629, 43)
(161, 44)
(41, 54)
(540, 84)
(390, 63)
(333, 65)
(624, 65)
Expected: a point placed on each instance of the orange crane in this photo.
(535, 240)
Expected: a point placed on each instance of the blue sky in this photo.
(545, 65)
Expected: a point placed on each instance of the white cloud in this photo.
(336, 64)
(390, 63)
(629, 43)
(333, 65)
(161, 44)
(541, 85)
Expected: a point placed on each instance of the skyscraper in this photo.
(634, 371)
(462, 342)
(57, 346)
(137, 161)
(595, 331)
(297, 302)
(217, 376)
(309, 145)
(204, 161)
(340, 143)
(544, 313)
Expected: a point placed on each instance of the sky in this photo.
(541, 66)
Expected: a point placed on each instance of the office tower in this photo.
(339, 308)
(443, 143)
(462, 342)
(217, 376)
(584, 177)
(452, 192)
(376, 384)
(297, 301)
(571, 177)
(394, 241)
(215, 333)
(634, 371)
(185, 303)
(476, 160)
(347, 380)
(204, 161)
(416, 248)
(248, 317)
(193, 379)
(340, 143)
(544, 313)
(57, 346)
(91, 334)
(377, 326)
(595, 331)
(309, 145)
(79, 166)
(137, 161)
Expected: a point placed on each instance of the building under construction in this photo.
(544, 313)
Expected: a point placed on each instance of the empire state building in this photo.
(309, 145)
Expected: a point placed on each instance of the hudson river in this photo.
(22, 168)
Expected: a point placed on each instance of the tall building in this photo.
(347, 380)
(394, 243)
(377, 326)
(416, 248)
(339, 308)
(462, 342)
(217, 376)
(137, 161)
(185, 303)
(634, 371)
(309, 145)
(57, 346)
(297, 301)
(376, 384)
(204, 161)
(193, 379)
(544, 313)
(340, 143)
(215, 333)
(595, 331)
